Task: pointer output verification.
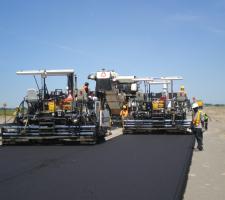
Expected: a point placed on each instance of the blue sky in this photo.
(133, 37)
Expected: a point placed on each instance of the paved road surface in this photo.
(127, 167)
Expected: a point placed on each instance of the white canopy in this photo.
(45, 73)
(159, 82)
(171, 78)
(125, 79)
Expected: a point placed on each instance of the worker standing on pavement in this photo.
(197, 125)
(206, 119)
(205, 116)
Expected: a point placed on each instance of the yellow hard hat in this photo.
(181, 87)
(200, 103)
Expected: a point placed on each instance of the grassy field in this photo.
(9, 112)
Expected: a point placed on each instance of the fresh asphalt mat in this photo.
(128, 167)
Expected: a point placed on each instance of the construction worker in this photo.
(69, 98)
(205, 116)
(182, 91)
(194, 100)
(197, 125)
(84, 91)
(206, 119)
(124, 112)
(86, 87)
(16, 111)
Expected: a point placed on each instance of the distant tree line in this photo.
(216, 105)
(8, 112)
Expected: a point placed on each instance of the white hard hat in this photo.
(195, 105)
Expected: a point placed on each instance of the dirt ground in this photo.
(207, 173)
(8, 119)
(216, 114)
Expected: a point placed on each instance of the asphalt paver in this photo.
(127, 167)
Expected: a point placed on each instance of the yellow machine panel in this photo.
(156, 105)
(51, 106)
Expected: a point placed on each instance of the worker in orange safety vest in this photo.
(124, 112)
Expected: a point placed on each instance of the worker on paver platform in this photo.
(182, 91)
(84, 91)
(86, 87)
(124, 112)
(197, 125)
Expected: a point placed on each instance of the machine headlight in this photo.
(75, 121)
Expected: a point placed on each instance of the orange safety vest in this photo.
(197, 119)
(124, 113)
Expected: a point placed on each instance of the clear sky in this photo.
(133, 37)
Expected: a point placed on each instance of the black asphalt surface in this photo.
(128, 167)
